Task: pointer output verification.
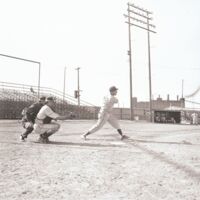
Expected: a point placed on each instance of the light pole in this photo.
(78, 86)
(39, 74)
(64, 85)
(32, 61)
(182, 87)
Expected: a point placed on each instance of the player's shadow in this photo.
(83, 144)
(186, 169)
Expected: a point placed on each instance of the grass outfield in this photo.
(159, 161)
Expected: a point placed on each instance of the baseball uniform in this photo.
(105, 114)
(40, 127)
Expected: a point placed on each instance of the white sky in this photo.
(93, 35)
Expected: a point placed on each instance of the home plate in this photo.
(118, 143)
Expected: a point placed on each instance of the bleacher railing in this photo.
(28, 93)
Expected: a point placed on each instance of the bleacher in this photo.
(14, 97)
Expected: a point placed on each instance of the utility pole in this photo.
(78, 86)
(64, 85)
(182, 87)
(39, 75)
(140, 18)
(130, 64)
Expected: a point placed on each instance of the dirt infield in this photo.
(159, 161)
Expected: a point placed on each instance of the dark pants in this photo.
(28, 129)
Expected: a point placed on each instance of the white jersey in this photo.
(46, 111)
(108, 103)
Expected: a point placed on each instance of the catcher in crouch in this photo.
(43, 122)
(105, 114)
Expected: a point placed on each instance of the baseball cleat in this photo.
(22, 138)
(46, 141)
(43, 140)
(83, 137)
(124, 137)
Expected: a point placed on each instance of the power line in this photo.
(193, 102)
(176, 67)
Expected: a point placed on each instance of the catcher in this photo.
(28, 117)
(44, 125)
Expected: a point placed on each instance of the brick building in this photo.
(141, 108)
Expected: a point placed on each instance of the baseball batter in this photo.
(105, 114)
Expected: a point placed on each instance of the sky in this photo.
(93, 35)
